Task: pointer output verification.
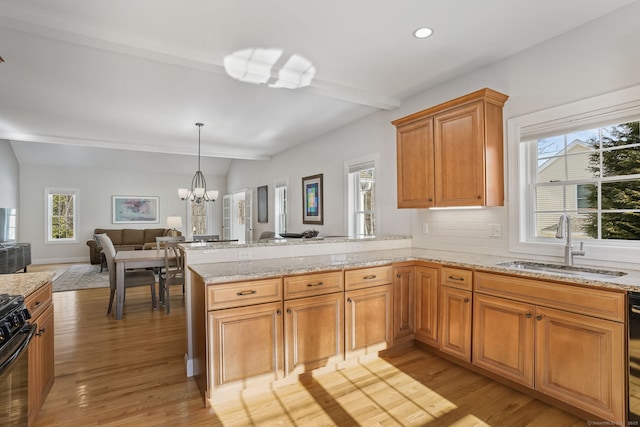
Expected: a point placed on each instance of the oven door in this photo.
(14, 378)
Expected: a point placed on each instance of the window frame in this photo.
(48, 193)
(599, 110)
(349, 203)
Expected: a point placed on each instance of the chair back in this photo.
(266, 235)
(109, 253)
(173, 262)
(160, 241)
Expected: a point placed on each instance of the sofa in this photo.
(126, 239)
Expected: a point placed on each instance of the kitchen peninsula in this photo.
(259, 323)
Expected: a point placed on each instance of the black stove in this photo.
(13, 316)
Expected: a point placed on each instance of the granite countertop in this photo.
(23, 283)
(195, 246)
(222, 272)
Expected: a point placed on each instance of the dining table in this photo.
(133, 259)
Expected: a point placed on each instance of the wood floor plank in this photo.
(132, 373)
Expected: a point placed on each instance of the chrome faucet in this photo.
(564, 232)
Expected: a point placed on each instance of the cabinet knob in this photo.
(40, 332)
(349, 300)
(431, 200)
(528, 315)
(479, 197)
(466, 300)
(288, 311)
(538, 317)
(397, 276)
(278, 312)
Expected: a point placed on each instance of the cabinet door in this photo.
(503, 337)
(404, 321)
(245, 344)
(459, 156)
(427, 305)
(41, 361)
(312, 329)
(455, 322)
(415, 164)
(368, 320)
(580, 360)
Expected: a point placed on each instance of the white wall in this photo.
(596, 58)
(96, 186)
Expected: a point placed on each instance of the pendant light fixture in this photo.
(198, 192)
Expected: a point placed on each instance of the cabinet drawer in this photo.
(367, 277)
(244, 293)
(38, 301)
(563, 296)
(457, 278)
(313, 284)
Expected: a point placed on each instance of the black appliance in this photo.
(15, 336)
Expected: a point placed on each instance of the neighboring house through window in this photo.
(61, 215)
(361, 196)
(583, 160)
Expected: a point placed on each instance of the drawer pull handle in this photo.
(310, 285)
(528, 315)
(243, 293)
(371, 276)
(459, 279)
(37, 303)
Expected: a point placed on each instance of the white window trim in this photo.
(280, 182)
(76, 193)
(598, 110)
(370, 158)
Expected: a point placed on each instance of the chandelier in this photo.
(198, 192)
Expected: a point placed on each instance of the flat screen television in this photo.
(8, 221)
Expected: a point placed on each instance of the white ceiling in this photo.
(137, 75)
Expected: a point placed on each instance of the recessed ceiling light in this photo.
(422, 33)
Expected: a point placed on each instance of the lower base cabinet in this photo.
(368, 321)
(455, 325)
(246, 346)
(426, 289)
(313, 332)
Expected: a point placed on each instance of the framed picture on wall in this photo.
(263, 203)
(312, 203)
(135, 210)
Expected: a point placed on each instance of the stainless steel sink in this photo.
(565, 270)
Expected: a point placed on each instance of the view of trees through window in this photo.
(62, 216)
(594, 176)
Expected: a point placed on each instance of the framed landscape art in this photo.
(135, 210)
(312, 202)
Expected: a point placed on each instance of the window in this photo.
(281, 207)
(361, 198)
(61, 215)
(581, 159)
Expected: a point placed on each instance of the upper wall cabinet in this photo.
(451, 154)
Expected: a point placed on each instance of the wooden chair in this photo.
(161, 240)
(173, 272)
(132, 278)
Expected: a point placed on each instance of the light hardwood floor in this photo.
(131, 372)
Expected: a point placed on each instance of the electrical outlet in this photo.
(244, 254)
(357, 247)
(495, 230)
(425, 228)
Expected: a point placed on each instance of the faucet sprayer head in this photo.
(561, 227)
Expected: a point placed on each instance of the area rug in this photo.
(81, 276)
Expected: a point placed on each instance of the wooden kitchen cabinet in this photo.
(246, 347)
(368, 310)
(404, 320)
(455, 322)
(41, 350)
(564, 341)
(313, 332)
(503, 334)
(452, 154)
(426, 289)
